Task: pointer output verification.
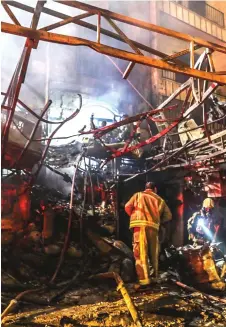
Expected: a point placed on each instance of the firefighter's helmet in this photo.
(208, 203)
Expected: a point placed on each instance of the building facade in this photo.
(203, 19)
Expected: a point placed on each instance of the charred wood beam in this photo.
(145, 25)
(10, 13)
(93, 28)
(66, 21)
(104, 49)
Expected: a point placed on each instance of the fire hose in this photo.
(69, 221)
(13, 303)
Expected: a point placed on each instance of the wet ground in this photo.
(163, 304)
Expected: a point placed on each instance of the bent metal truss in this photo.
(202, 81)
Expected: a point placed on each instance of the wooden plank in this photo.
(93, 28)
(66, 21)
(145, 25)
(10, 13)
(70, 40)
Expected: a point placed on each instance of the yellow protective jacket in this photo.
(147, 209)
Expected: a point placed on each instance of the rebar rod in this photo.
(17, 161)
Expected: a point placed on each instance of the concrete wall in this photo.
(167, 18)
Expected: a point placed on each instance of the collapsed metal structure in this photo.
(203, 151)
(203, 81)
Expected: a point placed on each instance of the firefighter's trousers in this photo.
(145, 246)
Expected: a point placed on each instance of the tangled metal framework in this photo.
(200, 86)
(203, 81)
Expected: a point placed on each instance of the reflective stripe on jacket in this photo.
(147, 209)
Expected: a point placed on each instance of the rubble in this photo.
(165, 303)
(199, 263)
(162, 305)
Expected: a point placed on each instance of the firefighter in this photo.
(201, 224)
(106, 137)
(147, 211)
(126, 130)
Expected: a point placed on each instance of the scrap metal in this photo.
(195, 43)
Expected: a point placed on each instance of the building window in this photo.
(203, 9)
(169, 75)
(214, 15)
(179, 77)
